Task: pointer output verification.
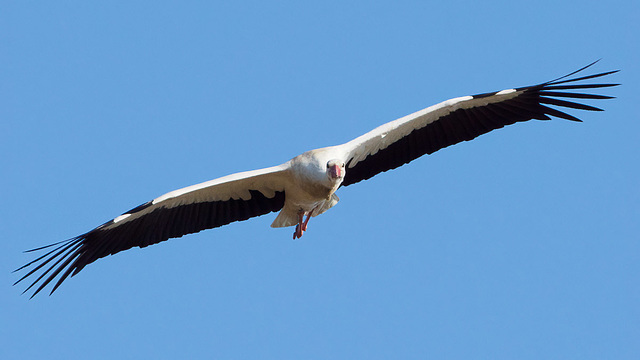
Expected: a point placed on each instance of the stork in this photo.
(306, 185)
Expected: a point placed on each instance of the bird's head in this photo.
(335, 170)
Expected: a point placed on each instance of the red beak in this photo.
(335, 172)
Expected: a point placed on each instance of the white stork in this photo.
(306, 184)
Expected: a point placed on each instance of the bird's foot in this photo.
(299, 231)
(301, 227)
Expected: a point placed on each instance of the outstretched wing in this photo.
(203, 206)
(461, 119)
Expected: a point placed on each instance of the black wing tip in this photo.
(582, 69)
(67, 251)
(46, 246)
(547, 93)
(566, 79)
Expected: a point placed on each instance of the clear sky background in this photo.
(522, 244)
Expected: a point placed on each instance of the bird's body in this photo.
(306, 184)
(311, 188)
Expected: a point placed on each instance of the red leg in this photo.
(304, 225)
(299, 231)
(301, 227)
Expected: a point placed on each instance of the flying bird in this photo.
(305, 186)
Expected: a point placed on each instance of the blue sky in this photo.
(522, 244)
